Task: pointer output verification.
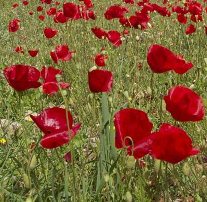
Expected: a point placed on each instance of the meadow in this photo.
(103, 101)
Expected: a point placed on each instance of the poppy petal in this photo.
(22, 77)
(184, 104)
(172, 144)
(132, 126)
(100, 80)
(53, 120)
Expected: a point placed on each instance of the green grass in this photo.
(42, 175)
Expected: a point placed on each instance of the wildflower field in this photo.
(103, 101)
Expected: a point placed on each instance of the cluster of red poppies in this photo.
(169, 143)
(191, 11)
(24, 77)
(133, 127)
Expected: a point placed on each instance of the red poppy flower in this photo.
(51, 11)
(196, 18)
(46, 1)
(161, 10)
(33, 53)
(133, 21)
(182, 18)
(39, 8)
(64, 85)
(126, 32)
(41, 17)
(50, 84)
(161, 59)
(15, 5)
(133, 129)
(49, 32)
(54, 57)
(179, 9)
(91, 15)
(22, 77)
(61, 52)
(125, 22)
(14, 25)
(88, 3)
(60, 17)
(100, 60)
(147, 8)
(99, 32)
(115, 11)
(57, 125)
(100, 80)
(114, 37)
(195, 8)
(50, 88)
(190, 29)
(140, 19)
(184, 104)
(71, 10)
(49, 74)
(68, 157)
(172, 144)
(19, 49)
(25, 3)
(86, 14)
(128, 1)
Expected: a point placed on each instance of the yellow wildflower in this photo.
(2, 141)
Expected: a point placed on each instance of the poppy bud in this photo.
(129, 196)
(33, 162)
(29, 199)
(130, 162)
(26, 180)
(107, 178)
(157, 165)
(186, 169)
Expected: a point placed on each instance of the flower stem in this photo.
(107, 150)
